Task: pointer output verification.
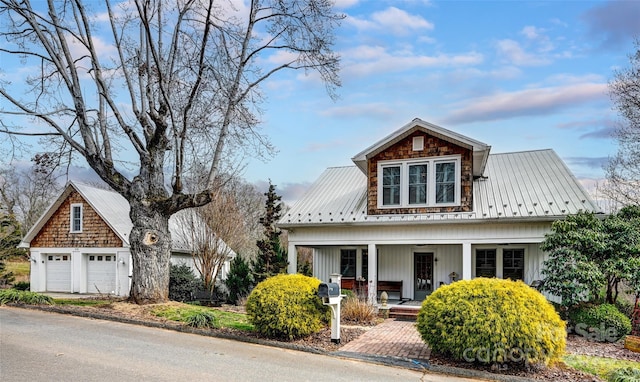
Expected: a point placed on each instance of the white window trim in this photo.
(71, 217)
(431, 181)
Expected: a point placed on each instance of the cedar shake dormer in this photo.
(422, 168)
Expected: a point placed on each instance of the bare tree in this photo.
(212, 232)
(623, 170)
(28, 192)
(175, 83)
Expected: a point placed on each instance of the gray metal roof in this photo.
(521, 185)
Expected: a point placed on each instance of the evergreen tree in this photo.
(239, 281)
(271, 258)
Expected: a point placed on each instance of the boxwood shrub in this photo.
(492, 321)
(603, 323)
(287, 307)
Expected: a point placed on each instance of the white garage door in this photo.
(101, 274)
(59, 273)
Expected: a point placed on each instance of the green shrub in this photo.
(492, 321)
(201, 319)
(239, 280)
(287, 307)
(21, 285)
(627, 374)
(603, 323)
(183, 284)
(24, 297)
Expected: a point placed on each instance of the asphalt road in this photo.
(40, 346)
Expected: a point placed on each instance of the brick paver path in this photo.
(391, 338)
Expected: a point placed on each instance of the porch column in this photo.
(293, 259)
(466, 260)
(373, 274)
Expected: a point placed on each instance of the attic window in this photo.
(418, 143)
(76, 218)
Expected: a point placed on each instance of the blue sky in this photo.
(517, 75)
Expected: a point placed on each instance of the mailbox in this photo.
(327, 290)
(330, 295)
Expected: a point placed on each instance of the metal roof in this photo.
(480, 150)
(521, 185)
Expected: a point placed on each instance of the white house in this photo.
(426, 206)
(80, 244)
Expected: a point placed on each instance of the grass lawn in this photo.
(181, 313)
(600, 366)
(20, 269)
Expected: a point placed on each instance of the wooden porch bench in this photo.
(390, 287)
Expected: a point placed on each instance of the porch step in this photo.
(409, 314)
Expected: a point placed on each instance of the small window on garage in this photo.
(76, 218)
(92, 258)
(50, 258)
(107, 258)
(99, 258)
(65, 258)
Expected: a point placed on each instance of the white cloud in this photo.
(512, 53)
(367, 60)
(527, 102)
(391, 20)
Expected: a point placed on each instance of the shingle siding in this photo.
(56, 231)
(433, 147)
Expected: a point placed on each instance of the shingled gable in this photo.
(112, 210)
(480, 150)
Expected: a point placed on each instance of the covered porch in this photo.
(410, 272)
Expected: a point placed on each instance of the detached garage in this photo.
(80, 244)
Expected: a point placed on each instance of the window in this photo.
(365, 264)
(513, 264)
(445, 182)
(348, 262)
(92, 258)
(485, 263)
(420, 182)
(391, 185)
(76, 218)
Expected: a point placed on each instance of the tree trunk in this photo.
(150, 243)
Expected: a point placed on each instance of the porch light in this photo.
(453, 276)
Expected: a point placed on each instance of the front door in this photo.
(423, 275)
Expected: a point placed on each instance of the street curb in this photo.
(401, 362)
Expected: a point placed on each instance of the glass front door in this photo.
(423, 275)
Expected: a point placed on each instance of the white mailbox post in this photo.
(330, 295)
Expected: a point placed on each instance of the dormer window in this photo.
(424, 182)
(76, 218)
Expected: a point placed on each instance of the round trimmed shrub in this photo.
(287, 307)
(492, 321)
(603, 323)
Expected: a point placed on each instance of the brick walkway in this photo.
(391, 338)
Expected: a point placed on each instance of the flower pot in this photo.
(632, 343)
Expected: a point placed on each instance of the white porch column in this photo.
(373, 274)
(293, 259)
(466, 260)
